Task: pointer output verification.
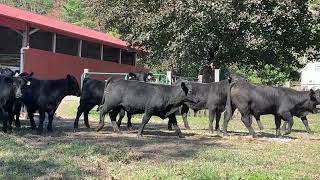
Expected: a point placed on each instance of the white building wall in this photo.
(310, 76)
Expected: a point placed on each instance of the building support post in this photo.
(25, 45)
(135, 59)
(54, 42)
(120, 56)
(101, 52)
(80, 48)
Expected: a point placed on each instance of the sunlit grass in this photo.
(87, 154)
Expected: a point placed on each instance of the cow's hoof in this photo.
(130, 129)
(218, 133)
(75, 126)
(87, 124)
(39, 132)
(18, 125)
(287, 132)
(50, 130)
(225, 134)
(181, 136)
(99, 128)
(188, 128)
(310, 132)
(139, 135)
(254, 136)
(33, 127)
(117, 132)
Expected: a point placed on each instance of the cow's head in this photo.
(73, 86)
(315, 96)
(184, 92)
(149, 77)
(20, 81)
(132, 76)
(141, 76)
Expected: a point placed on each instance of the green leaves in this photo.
(37, 6)
(75, 11)
(185, 34)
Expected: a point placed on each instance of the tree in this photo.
(74, 11)
(37, 6)
(185, 34)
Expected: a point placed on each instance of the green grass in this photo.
(87, 154)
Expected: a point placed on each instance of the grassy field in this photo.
(159, 154)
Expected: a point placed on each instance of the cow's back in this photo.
(137, 96)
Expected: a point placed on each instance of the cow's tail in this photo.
(104, 92)
(228, 109)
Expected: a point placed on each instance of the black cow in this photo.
(255, 100)
(11, 89)
(139, 97)
(45, 96)
(211, 96)
(92, 93)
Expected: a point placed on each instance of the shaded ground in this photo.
(159, 154)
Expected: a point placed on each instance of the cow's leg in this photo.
(86, 114)
(306, 124)
(260, 125)
(16, 112)
(121, 116)
(288, 117)
(103, 111)
(81, 109)
(113, 117)
(184, 113)
(42, 116)
(10, 119)
(212, 113)
(145, 120)
(277, 120)
(173, 120)
(169, 125)
(218, 116)
(129, 124)
(247, 121)
(195, 113)
(284, 126)
(31, 117)
(227, 117)
(50, 119)
(4, 119)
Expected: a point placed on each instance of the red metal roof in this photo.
(54, 25)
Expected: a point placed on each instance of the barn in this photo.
(310, 76)
(52, 48)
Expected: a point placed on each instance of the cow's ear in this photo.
(16, 73)
(229, 79)
(68, 76)
(184, 87)
(30, 75)
(8, 80)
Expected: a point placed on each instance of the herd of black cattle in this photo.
(138, 96)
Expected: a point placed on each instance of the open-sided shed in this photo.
(52, 48)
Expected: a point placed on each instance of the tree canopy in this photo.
(255, 35)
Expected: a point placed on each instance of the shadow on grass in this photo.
(156, 142)
(259, 134)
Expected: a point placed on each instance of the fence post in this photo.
(83, 76)
(216, 75)
(169, 78)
